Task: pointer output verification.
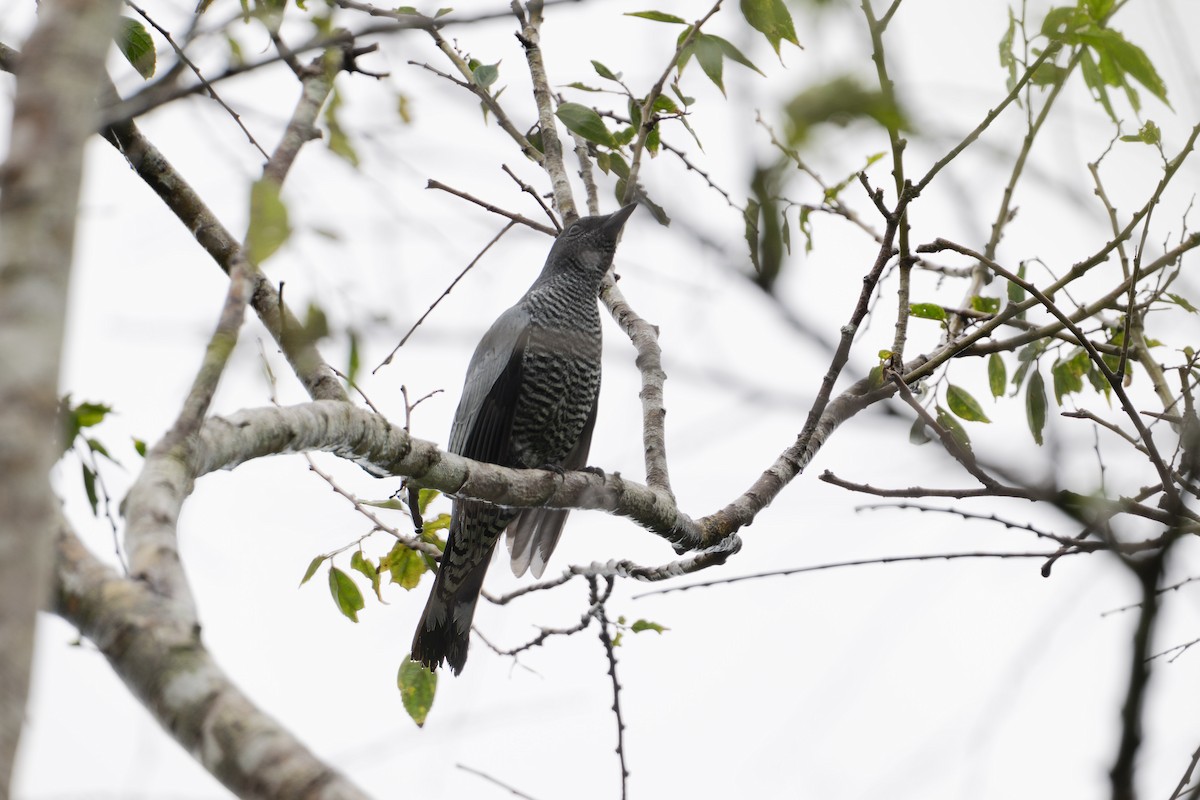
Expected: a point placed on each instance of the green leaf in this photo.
(985, 305)
(750, 216)
(665, 105)
(733, 53)
(927, 311)
(439, 523)
(657, 16)
(89, 414)
(1099, 381)
(772, 19)
(139, 447)
(1067, 374)
(404, 565)
(964, 405)
(96, 446)
(1007, 59)
(425, 497)
(586, 122)
(1035, 405)
(74, 418)
(997, 374)
(1182, 302)
(954, 428)
(360, 564)
(89, 486)
(354, 360)
(338, 143)
(646, 625)
(1149, 133)
(1016, 292)
(1094, 80)
(313, 566)
(486, 74)
(347, 596)
(618, 165)
(134, 42)
(417, 685)
(840, 101)
(1063, 24)
(269, 227)
(1127, 57)
(605, 72)
(711, 56)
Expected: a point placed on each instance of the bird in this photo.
(529, 401)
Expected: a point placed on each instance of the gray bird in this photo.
(529, 401)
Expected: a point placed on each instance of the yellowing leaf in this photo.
(417, 685)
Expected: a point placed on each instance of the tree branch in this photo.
(53, 115)
(154, 646)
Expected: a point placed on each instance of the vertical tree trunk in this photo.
(53, 115)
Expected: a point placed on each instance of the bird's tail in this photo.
(445, 628)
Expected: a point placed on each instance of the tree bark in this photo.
(54, 113)
(155, 647)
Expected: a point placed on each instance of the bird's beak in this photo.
(616, 220)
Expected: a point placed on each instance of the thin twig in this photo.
(411, 542)
(440, 298)
(610, 652)
(208, 87)
(838, 565)
(517, 218)
(490, 779)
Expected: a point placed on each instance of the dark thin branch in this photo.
(610, 652)
(442, 297)
(494, 781)
(537, 226)
(838, 565)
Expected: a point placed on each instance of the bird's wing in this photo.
(483, 423)
(533, 535)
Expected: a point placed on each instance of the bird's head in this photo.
(589, 242)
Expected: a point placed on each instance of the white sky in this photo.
(932, 680)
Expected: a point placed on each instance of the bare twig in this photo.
(442, 297)
(610, 652)
(494, 781)
(517, 218)
(208, 87)
(838, 565)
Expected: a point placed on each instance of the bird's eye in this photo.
(573, 231)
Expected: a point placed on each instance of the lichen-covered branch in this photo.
(644, 337)
(530, 36)
(53, 116)
(154, 646)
